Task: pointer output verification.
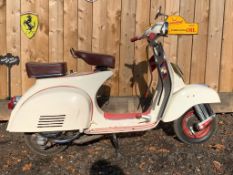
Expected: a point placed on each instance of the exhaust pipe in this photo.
(86, 139)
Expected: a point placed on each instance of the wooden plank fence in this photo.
(106, 26)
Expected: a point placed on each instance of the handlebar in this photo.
(150, 37)
(136, 38)
(158, 29)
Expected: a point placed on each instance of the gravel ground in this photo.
(155, 152)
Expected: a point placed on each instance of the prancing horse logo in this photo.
(29, 24)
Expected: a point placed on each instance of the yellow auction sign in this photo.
(178, 26)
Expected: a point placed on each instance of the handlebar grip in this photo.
(134, 39)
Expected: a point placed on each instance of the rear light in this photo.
(13, 101)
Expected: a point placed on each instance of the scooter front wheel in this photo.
(185, 130)
(41, 145)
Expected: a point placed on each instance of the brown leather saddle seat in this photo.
(46, 70)
(94, 59)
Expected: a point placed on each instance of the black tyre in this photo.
(46, 149)
(184, 128)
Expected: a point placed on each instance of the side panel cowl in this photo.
(52, 109)
(187, 97)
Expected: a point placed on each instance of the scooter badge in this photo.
(29, 24)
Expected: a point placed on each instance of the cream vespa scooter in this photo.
(60, 109)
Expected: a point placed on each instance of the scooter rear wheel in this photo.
(184, 128)
(46, 149)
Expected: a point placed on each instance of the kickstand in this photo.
(115, 144)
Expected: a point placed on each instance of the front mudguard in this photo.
(187, 97)
(52, 109)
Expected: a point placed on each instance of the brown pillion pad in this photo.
(46, 70)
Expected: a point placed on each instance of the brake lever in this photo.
(161, 14)
(158, 12)
(157, 15)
